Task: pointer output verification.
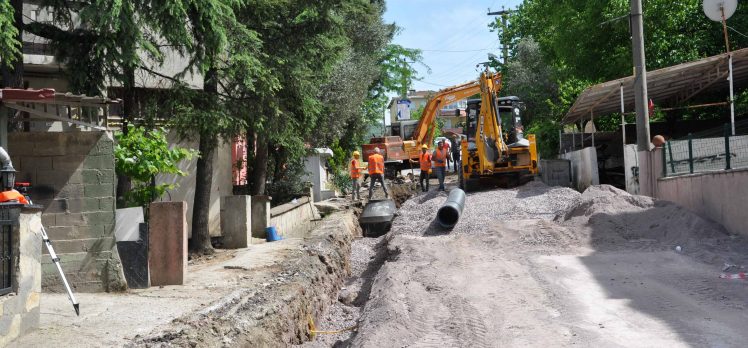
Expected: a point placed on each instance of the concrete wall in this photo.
(222, 185)
(316, 173)
(721, 196)
(293, 220)
(72, 176)
(583, 167)
(19, 312)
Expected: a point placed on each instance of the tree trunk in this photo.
(128, 110)
(200, 241)
(260, 172)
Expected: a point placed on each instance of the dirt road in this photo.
(537, 266)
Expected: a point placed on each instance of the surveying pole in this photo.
(505, 46)
(640, 77)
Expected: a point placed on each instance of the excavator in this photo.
(488, 152)
(396, 151)
(496, 147)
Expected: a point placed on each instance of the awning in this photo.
(673, 85)
(46, 104)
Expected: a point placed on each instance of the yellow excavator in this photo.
(496, 146)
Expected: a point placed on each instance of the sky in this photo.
(436, 26)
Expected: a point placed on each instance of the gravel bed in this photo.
(534, 200)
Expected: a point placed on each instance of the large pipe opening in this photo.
(450, 212)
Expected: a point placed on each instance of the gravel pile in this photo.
(532, 201)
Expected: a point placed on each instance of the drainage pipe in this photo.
(450, 212)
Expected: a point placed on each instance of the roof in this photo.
(46, 104)
(413, 95)
(674, 85)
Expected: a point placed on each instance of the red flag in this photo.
(651, 107)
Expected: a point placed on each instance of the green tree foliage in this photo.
(9, 45)
(141, 154)
(583, 42)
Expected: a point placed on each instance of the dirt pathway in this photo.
(513, 277)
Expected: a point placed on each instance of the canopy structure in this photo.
(674, 85)
(46, 104)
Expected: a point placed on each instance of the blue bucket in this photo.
(272, 234)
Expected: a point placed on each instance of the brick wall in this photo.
(72, 175)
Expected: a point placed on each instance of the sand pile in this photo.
(613, 218)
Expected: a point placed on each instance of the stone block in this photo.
(57, 206)
(49, 220)
(72, 246)
(81, 205)
(100, 218)
(107, 203)
(34, 163)
(99, 162)
(98, 190)
(236, 218)
(60, 232)
(167, 243)
(69, 219)
(96, 176)
(71, 191)
(52, 178)
(68, 163)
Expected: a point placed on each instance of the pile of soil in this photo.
(612, 218)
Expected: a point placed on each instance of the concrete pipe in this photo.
(450, 212)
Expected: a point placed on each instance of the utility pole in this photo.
(505, 46)
(640, 77)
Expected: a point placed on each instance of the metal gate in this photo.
(6, 259)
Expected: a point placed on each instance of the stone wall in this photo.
(19, 310)
(293, 220)
(72, 176)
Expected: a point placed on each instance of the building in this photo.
(451, 114)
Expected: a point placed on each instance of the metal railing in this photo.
(706, 151)
(6, 259)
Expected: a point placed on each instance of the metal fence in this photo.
(710, 150)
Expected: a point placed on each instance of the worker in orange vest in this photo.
(355, 167)
(440, 163)
(376, 172)
(425, 162)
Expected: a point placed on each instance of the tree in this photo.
(11, 31)
(141, 155)
(112, 39)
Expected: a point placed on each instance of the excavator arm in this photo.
(424, 132)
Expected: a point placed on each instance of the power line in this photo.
(735, 30)
(457, 51)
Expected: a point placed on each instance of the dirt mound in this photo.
(612, 218)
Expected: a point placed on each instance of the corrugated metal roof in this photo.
(674, 85)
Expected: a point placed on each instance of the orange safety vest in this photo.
(425, 160)
(376, 164)
(355, 169)
(441, 155)
(12, 195)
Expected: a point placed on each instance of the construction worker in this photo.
(440, 163)
(448, 145)
(376, 172)
(355, 168)
(456, 154)
(425, 161)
